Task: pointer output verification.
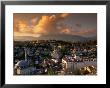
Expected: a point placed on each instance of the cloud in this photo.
(81, 32)
(66, 31)
(64, 15)
(48, 24)
(45, 25)
(33, 21)
(22, 26)
(26, 34)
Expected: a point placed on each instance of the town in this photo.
(55, 57)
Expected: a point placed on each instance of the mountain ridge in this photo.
(54, 37)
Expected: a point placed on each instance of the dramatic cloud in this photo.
(45, 24)
(48, 24)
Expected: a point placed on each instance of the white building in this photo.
(77, 57)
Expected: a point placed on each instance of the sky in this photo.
(39, 24)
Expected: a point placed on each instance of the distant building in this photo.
(56, 54)
(77, 57)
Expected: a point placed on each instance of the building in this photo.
(22, 68)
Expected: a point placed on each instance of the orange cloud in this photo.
(22, 26)
(46, 24)
(63, 15)
(26, 34)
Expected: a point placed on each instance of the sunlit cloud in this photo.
(64, 15)
(26, 34)
(47, 24)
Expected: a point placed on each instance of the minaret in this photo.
(25, 54)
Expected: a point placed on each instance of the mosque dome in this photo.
(22, 63)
